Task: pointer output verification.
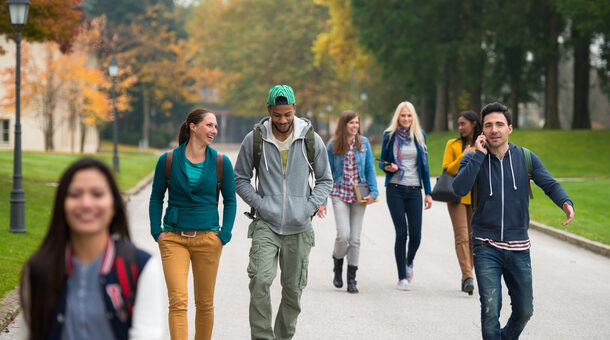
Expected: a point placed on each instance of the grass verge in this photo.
(40, 170)
(577, 153)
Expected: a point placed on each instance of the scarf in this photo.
(402, 137)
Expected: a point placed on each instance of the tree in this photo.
(257, 44)
(588, 19)
(63, 87)
(48, 20)
(421, 44)
(337, 47)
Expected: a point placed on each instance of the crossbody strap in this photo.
(168, 167)
(219, 161)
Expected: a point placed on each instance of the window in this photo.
(4, 130)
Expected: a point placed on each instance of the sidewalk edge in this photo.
(9, 308)
(596, 247)
(10, 305)
(138, 187)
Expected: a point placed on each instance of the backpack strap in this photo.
(257, 150)
(219, 161)
(127, 271)
(168, 166)
(257, 146)
(528, 160)
(310, 145)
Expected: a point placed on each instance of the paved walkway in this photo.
(571, 285)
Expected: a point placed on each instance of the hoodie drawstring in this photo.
(265, 158)
(512, 172)
(491, 190)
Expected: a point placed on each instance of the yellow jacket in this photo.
(451, 161)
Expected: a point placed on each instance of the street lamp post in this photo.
(113, 70)
(19, 15)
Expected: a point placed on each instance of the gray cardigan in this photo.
(284, 202)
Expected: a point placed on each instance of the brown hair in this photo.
(43, 278)
(341, 136)
(195, 117)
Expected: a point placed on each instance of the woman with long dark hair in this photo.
(351, 162)
(469, 127)
(191, 233)
(87, 280)
(404, 148)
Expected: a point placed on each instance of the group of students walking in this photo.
(88, 281)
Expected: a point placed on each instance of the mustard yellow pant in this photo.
(461, 214)
(177, 253)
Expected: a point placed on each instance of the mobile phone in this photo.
(382, 161)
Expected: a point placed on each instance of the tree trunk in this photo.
(146, 116)
(551, 84)
(424, 112)
(514, 103)
(442, 98)
(581, 119)
(475, 97)
(83, 135)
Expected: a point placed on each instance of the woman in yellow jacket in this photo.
(469, 127)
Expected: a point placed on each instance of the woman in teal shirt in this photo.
(191, 233)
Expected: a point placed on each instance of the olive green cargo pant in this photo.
(292, 251)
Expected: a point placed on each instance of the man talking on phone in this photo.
(497, 173)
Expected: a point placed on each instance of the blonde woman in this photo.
(405, 163)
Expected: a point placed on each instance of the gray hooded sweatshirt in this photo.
(284, 201)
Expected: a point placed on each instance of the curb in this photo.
(10, 305)
(138, 187)
(9, 308)
(580, 241)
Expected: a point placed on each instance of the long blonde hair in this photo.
(414, 129)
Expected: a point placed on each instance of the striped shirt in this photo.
(350, 176)
(508, 245)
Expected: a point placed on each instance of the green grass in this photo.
(592, 211)
(47, 167)
(577, 153)
(39, 170)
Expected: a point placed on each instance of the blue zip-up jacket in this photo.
(502, 192)
(422, 160)
(364, 162)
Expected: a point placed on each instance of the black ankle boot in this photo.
(351, 279)
(468, 286)
(338, 269)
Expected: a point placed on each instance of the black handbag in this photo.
(443, 189)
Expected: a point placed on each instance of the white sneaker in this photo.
(410, 273)
(403, 285)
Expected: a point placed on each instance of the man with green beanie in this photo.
(284, 206)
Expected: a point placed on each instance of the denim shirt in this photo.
(364, 162)
(422, 160)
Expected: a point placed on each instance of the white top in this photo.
(148, 310)
(409, 165)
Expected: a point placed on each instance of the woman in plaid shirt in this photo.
(351, 162)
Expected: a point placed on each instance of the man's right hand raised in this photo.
(480, 144)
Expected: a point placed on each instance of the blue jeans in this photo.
(490, 264)
(405, 200)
